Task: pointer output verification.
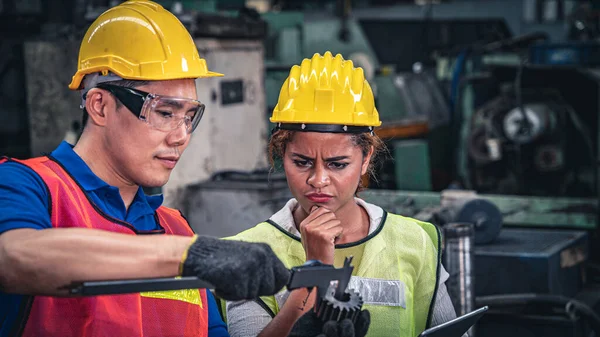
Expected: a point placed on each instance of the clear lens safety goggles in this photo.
(164, 113)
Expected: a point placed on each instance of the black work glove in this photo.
(309, 325)
(238, 270)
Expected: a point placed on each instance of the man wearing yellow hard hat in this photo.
(79, 213)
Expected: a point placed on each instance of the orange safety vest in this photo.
(170, 313)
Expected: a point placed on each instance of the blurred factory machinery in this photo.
(500, 130)
(490, 111)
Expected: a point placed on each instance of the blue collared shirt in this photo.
(24, 203)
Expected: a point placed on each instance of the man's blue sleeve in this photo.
(216, 326)
(24, 198)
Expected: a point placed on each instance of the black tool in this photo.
(95, 288)
(334, 301)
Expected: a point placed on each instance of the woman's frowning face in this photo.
(323, 169)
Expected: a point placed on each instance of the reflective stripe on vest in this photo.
(169, 313)
(397, 277)
(374, 291)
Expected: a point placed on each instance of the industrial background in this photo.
(490, 113)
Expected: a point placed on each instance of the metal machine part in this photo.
(583, 22)
(331, 308)
(484, 215)
(528, 149)
(459, 262)
(466, 208)
(540, 120)
(334, 300)
(549, 158)
(494, 148)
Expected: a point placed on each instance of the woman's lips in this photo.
(319, 198)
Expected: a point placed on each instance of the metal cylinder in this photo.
(459, 243)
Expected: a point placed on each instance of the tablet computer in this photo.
(456, 327)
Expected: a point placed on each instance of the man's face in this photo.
(142, 154)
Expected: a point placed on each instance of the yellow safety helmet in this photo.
(326, 94)
(139, 40)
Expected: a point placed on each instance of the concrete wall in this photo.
(52, 106)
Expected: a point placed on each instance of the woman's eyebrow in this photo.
(336, 158)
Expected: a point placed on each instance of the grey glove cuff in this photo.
(202, 256)
(238, 270)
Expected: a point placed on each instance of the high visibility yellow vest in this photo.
(397, 276)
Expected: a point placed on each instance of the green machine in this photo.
(458, 93)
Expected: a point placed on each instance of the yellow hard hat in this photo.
(326, 94)
(139, 40)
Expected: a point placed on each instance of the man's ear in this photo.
(95, 103)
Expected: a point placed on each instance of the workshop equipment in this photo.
(484, 215)
(405, 140)
(520, 260)
(521, 126)
(465, 207)
(517, 211)
(458, 260)
(413, 177)
(526, 148)
(535, 259)
(532, 315)
(532, 261)
(233, 201)
(566, 54)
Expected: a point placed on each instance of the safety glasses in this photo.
(164, 113)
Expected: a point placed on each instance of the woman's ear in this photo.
(366, 161)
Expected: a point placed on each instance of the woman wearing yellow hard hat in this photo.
(325, 119)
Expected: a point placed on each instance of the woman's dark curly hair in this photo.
(366, 141)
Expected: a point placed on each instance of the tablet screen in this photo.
(456, 327)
